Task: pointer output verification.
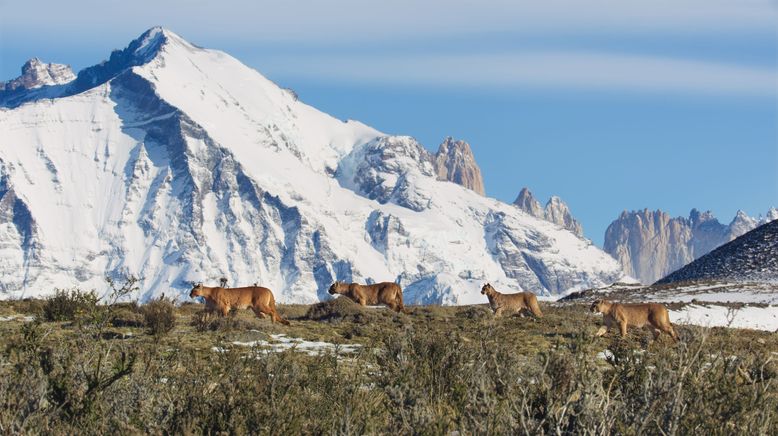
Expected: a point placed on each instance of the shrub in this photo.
(475, 312)
(341, 308)
(205, 321)
(29, 306)
(70, 305)
(128, 318)
(442, 374)
(159, 316)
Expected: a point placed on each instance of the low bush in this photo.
(29, 306)
(128, 318)
(338, 309)
(205, 321)
(475, 312)
(70, 305)
(159, 315)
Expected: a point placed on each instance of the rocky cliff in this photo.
(36, 74)
(455, 162)
(556, 211)
(651, 244)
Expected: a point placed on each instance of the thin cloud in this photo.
(573, 70)
(362, 20)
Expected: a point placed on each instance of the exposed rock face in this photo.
(651, 244)
(386, 168)
(455, 162)
(36, 74)
(18, 234)
(527, 202)
(50, 81)
(556, 211)
(742, 224)
(750, 257)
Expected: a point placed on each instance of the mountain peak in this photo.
(528, 203)
(741, 224)
(556, 211)
(41, 80)
(150, 41)
(36, 74)
(456, 163)
(696, 216)
(140, 51)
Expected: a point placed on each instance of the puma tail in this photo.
(400, 306)
(276, 317)
(534, 307)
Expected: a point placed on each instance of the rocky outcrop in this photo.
(455, 162)
(651, 244)
(36, 74)
(556, 211)
(383, 169)
(527, 202)
(49, 81)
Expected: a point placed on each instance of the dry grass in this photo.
(432, 371)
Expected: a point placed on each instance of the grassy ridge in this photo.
(433, 371)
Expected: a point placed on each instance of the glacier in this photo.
(177, 163)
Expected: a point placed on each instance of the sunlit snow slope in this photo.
(181, 164)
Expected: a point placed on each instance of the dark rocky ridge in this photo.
(751, 257)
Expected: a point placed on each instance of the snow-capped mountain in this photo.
(178, 164)
(651, 244)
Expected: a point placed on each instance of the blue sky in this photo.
(611, 105)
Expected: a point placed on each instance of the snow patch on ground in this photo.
(280, 343)
(15, 317)
(751, 317)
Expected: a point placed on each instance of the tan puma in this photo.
(222, 300)
(388, 293)
(652, 315)
(511, 303)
